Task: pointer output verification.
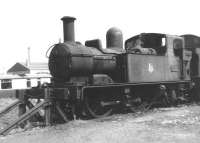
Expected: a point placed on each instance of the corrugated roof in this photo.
(38, 66)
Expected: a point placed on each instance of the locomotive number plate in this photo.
(150, 68)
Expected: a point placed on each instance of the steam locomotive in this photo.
(151, 70)
(88, 81)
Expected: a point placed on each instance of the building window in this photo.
(6, 83)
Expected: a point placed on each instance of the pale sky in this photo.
(37, 24)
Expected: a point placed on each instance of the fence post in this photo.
(48, 107)
(21, 95)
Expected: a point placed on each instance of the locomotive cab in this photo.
(147, 43)
(159, 58)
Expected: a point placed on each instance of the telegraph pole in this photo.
(29, 57)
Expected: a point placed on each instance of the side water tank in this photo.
(114, 39)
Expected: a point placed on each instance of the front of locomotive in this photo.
(59, 58)
(75, 67)
(73, 62)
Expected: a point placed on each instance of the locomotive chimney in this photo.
(68, 28)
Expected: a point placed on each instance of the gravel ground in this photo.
(167, 125)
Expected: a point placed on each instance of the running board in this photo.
(24, 117)
(9, 108)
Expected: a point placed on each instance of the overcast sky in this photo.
(37, 24)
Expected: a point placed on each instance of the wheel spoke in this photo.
(94, 107)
